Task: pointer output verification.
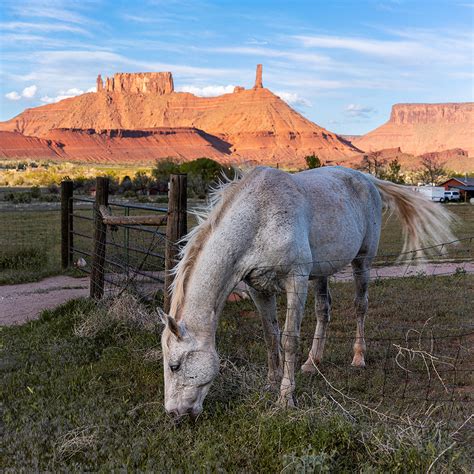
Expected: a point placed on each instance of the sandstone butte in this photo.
(139, 117)
(424, 128)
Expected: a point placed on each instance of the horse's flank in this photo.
(209, 217)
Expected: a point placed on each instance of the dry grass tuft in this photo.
(76, 441)
(125, 311)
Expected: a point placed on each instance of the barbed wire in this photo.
(396, 377)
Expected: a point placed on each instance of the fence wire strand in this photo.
(419, 333)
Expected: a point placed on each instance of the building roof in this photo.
(464, 188)
(464, 181)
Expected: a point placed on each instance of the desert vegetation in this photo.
(39, 180)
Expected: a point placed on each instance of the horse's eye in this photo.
(175, 367)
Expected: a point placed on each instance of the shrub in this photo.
(35, 192)
(313, 161)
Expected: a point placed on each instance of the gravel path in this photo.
(21, 303)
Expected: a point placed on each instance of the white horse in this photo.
(277, 231)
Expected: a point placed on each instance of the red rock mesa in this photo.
(247, 125)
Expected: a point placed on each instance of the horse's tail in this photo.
(426, 225)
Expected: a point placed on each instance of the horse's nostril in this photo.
(173, 413)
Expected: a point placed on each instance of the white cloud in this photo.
(29, 92)
(294, 99)
(65, 94)
(41, 27)
(362, 45)
(360, 111)
(13, 96)
(206, 91)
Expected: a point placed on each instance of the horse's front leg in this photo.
(296, 291)
(266, 306)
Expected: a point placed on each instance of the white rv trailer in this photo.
(435, 193)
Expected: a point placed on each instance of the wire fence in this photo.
(419, 327)
(419, 338)
(419, 331)
(134, 258)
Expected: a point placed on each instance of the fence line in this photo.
(101, 238)
(415, 362)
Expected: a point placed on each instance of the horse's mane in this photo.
(208, 217)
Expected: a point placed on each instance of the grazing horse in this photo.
(277, 232)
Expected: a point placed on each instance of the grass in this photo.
(82, 390)
(30, 245)
(391, 238)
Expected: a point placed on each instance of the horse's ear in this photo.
(170, 323)
(173, 327)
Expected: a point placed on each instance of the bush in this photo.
(53, 189)
(35, 192)
(49, 198)
(313, 161)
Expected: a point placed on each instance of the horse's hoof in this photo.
(358, 362)
(309, 367)
(286, 402)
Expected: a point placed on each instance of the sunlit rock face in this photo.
(248, 125)
(424, 128)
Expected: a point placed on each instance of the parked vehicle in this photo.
(435, 193)
(453, 196)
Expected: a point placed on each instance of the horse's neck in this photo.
(217, 271)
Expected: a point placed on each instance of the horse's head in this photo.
(190, 365)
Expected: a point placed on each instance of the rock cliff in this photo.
(255, 123)
(138, 83)
(424, 128)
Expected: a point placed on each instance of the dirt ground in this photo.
(24, 302)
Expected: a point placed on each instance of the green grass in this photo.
(94, 403)
(30, 245)
(391, 238)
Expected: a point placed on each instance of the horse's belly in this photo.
(265, 280)
(328, 268)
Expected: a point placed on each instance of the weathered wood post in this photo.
(176, 228)
(66, 223)
(100, 237)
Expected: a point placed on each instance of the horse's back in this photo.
(330, 214)
(346, 217)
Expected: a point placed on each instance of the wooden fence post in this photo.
(176, 228)
(100, 237)
(66, 223)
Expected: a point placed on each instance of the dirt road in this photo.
(21, 303)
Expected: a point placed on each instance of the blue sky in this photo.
(341, 63)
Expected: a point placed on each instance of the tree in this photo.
(313, 161)
(126, 183)
(202, 173)
(373, 165)
(393, 172)
(163, 169)
(432, 170)
(141, 181)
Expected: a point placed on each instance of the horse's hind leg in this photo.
(361, 272)
(296, 292)
(323, 310)
(266, 305)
